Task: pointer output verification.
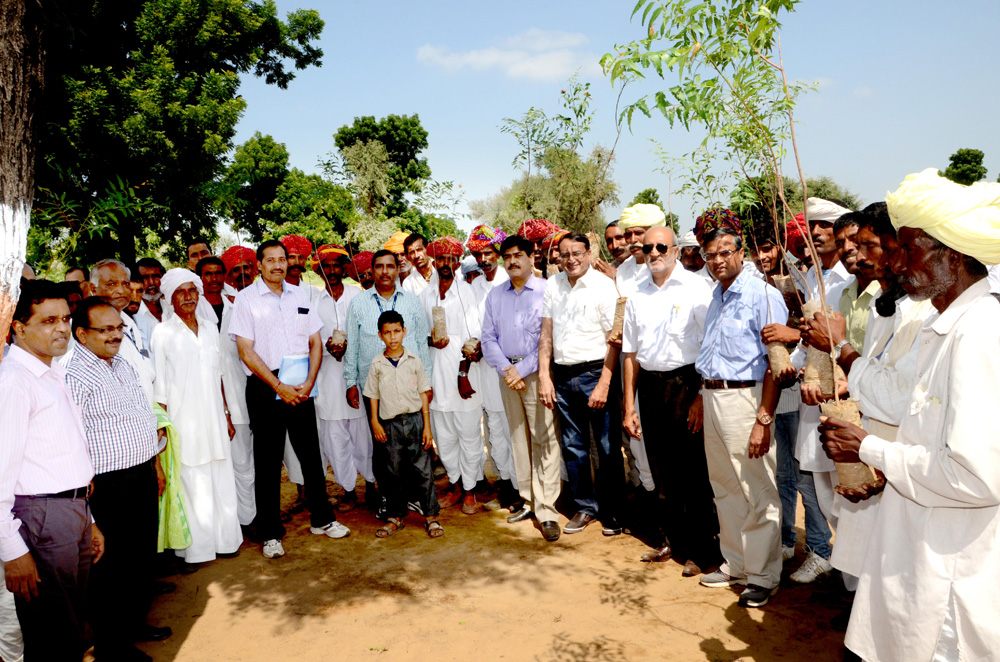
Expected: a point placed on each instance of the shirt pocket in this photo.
(732, 338)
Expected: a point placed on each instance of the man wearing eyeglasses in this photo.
(664, 326)
(120, 427)
(739, 398)
(577, 313)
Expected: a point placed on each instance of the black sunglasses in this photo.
(660, 248)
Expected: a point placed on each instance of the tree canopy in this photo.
(966, 167)
(651, 196)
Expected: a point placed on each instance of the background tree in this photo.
(403, 138)
(368, 170)
(251, 181)
(651, 196)
(311, 206)
(147, 93)
(966, 167)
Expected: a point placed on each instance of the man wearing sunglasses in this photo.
(739, 398)
(664, 326)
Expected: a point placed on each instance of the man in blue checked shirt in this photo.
(739, 397)
(364, 344)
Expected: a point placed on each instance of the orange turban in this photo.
(395, 243)
(329, 250)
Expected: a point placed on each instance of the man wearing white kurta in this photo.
(925, 588)
(189, 388)
(345, 439)
(455, 413)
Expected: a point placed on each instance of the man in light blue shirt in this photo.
(739, 397)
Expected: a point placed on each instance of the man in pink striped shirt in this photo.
(46, 536)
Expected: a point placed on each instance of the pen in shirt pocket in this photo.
(673, 311)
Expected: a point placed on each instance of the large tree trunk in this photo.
(20, 86)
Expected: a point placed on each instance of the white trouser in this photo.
(347, 446)
(11, 643)
(824, 482)
(292, 465)
(459, 442)
(498, 440)
(243, 470)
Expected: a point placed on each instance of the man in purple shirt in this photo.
(512, 325)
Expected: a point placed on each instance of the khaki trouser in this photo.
(535, 446)
(746, 493)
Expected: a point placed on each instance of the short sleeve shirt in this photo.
(581, 315)
(396, 387)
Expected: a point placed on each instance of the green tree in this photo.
(311, 206)
(367, 167)
(251, 182)
(965, 167)
(651, 196)
(148, 92)
(403, 138)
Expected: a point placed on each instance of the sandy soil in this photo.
(487, 590)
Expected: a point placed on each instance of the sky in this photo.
(900, 85)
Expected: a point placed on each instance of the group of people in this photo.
(150, 409)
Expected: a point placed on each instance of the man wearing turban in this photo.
(361, 266)
(634, 222)
(536, 230)
(690, 254)
(241, 266)
(189, 388)
(934, 548)
(397, 244)
(299, 251)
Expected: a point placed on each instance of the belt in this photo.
(722, 383)
(579, 368)
(76, 493)
(669, 374)
(515, 359)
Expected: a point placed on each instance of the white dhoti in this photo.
(460, 444)
(11, 642)
(210, 497)
(346, 445)
(498, 442)
(243, 471)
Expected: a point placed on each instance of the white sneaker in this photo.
(334, 530)
(273, 549)
(813, 567)
(787, 552)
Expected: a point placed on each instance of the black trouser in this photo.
(270, 420)
(409, 468)
(57, 533)
(126, 509)
(685, 505)
(380, 458)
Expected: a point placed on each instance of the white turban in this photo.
(964, 218)
(818, 209)
(173, 279)
(689, 241)
(642, 216)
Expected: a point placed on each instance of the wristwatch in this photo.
(838, 348)
(764, 419)
(462, 374)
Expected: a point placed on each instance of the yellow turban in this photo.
(964, 218)
(395, 243)
(642, 216)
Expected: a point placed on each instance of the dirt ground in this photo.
(487, 590)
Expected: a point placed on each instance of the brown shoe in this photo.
(450, 498)
(469, 504)
(690, 569)
(578, 523)
(657, 555)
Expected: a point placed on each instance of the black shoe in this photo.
(756, 596)
(162, 588)
(612, 527)
(520, 515)
(578, 523)
(133, 654)
(372, 500)
(550, 531)
(153, 633)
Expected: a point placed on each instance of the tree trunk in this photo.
(20, 86)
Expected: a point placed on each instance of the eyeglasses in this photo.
(576, 255)
(710, 257)
(107, 330)
(660, 248)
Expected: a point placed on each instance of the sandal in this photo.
(434, 528)
(392, 525)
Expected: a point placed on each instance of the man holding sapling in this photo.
(662, 335)
(614, 238)
(575, 368)
(739, 398)
(933, 555)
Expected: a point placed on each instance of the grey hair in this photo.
(94, 280)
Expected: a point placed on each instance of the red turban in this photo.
(795, 232)
(297, 244)
(553, 241)
(536, 229)
(237, 255)
(712, 219)
(328, 250)
(363, 261)
(445, 246)
(483, 236)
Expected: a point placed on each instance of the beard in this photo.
(152, 298)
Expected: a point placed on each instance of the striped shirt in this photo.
(278, 326)
(43, 449)
(117, 419)
(363, 343)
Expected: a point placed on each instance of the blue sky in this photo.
(900, 86)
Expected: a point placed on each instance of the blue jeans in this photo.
(601, 497)
(790, 479)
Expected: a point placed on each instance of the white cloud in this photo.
(539, 55)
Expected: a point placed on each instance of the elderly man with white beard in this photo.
(935, 552)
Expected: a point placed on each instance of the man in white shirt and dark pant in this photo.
(577, 314)
(664, 326)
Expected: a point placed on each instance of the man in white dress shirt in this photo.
(577, 314)
(924, 592)
(457, 408)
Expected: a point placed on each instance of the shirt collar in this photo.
(949, 317)
(31, 362)
(675, 277)
(530, 284)
(86, 355)
(262, 287)
(739, 283)
(374, 294)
